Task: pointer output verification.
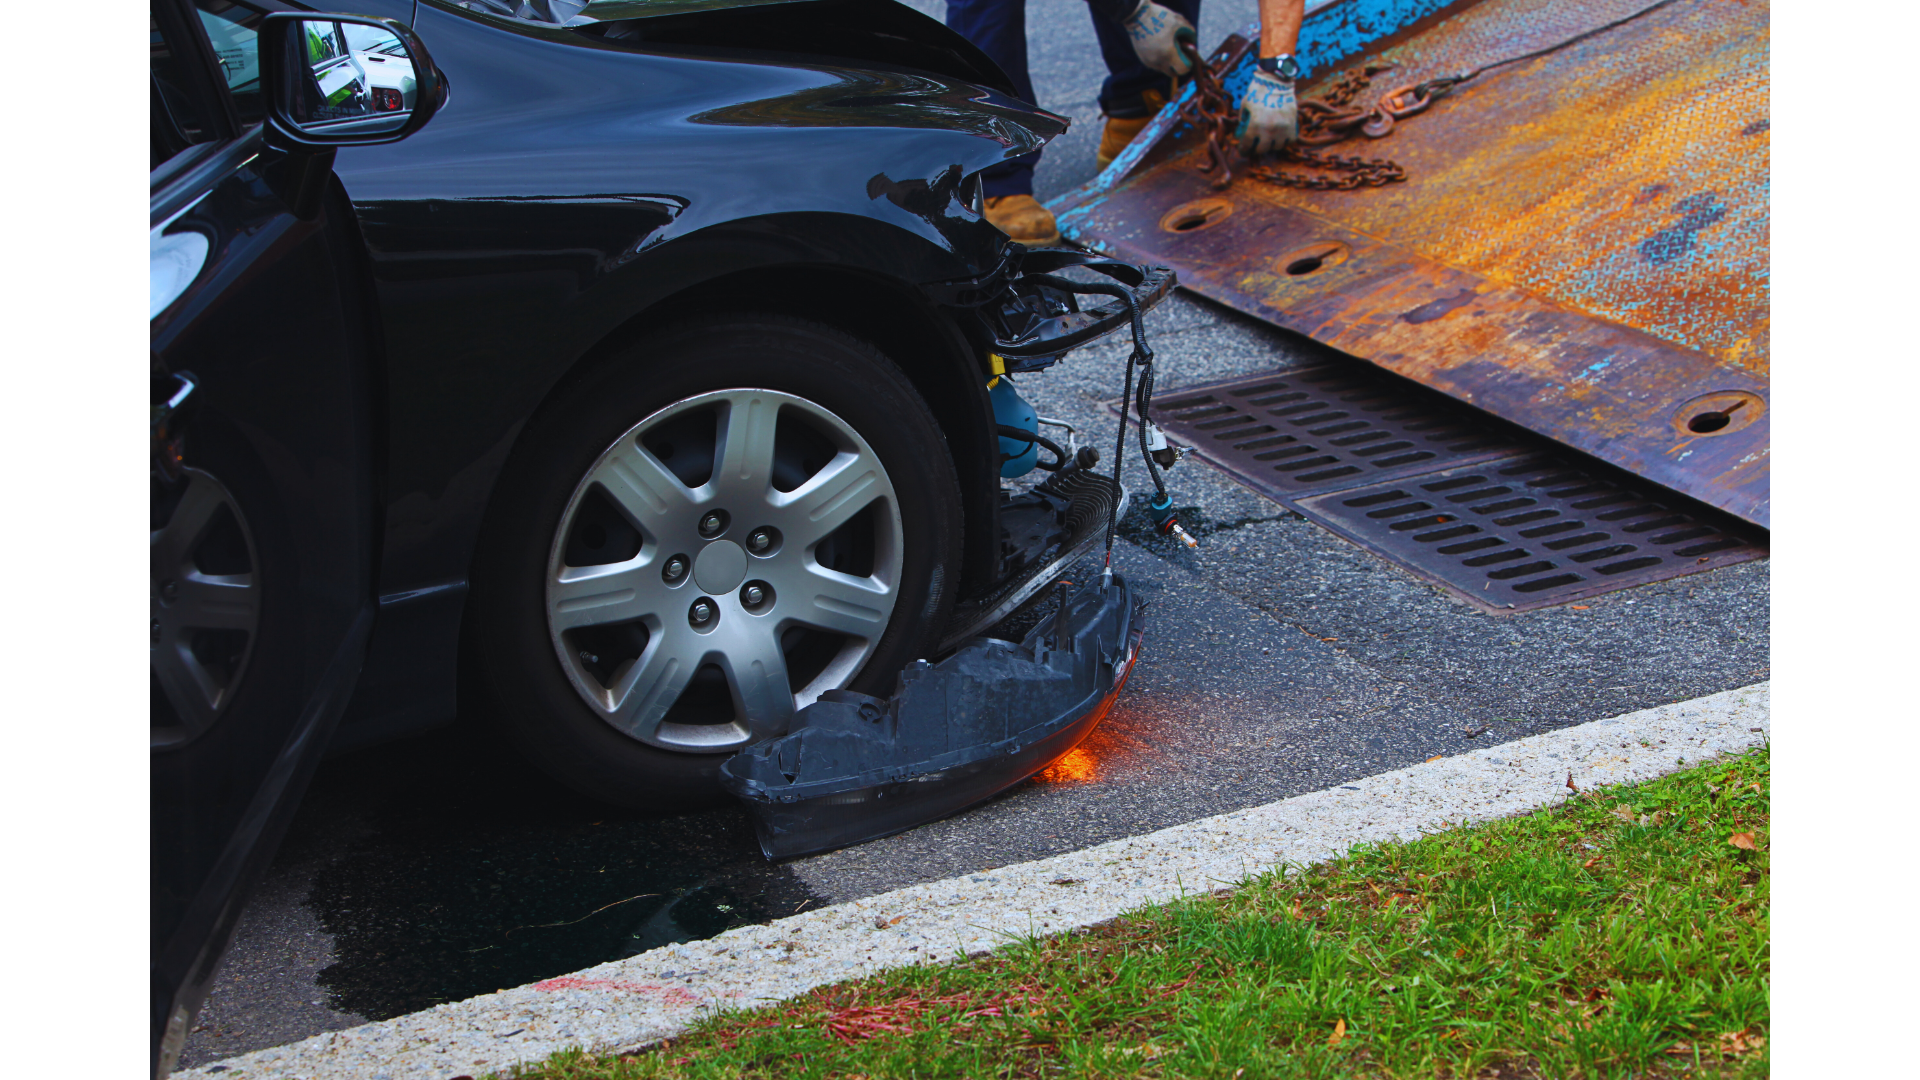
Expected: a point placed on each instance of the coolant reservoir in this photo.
(1011, 409)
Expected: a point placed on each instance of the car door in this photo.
(262, 499)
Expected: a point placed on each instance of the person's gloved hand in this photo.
(1269, 117)
(1156, 33)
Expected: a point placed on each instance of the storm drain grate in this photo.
(1321, 428)
(1528, 531)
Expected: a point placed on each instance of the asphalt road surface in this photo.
(1280, 659)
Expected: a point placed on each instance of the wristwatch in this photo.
(1284, 66)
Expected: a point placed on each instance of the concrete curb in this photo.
(657, 994)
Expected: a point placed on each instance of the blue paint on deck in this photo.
(1329, 36)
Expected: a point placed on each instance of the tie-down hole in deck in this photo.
(1720, 413)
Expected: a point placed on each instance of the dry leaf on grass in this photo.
(1741, 1042)
(1339, 1032)
(1625, 813)
(1742, 840)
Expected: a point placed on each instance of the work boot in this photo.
(1117, 135)
(1120, 130)
(1024, 219)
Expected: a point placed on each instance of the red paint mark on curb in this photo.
(673, 994)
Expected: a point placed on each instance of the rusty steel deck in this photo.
(1581, 244)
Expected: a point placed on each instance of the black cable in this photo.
(1144, 403)
(1008, 431)
(1119, 455)
(1445, 83)
(1142, 354)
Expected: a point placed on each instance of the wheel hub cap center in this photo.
(720, 567)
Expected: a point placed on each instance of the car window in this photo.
(179, 117)
(234, 29)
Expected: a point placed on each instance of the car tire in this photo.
(586, 646)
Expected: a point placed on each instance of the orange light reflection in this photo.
(1079, 766)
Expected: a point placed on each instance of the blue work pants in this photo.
(999, 28)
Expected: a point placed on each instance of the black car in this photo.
(636, 400)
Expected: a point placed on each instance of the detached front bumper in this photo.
(856, 768)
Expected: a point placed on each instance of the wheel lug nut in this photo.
(675, 569)
(754, 595)
(169, 590)
(702, 612)
(760, 540)
(712, 523)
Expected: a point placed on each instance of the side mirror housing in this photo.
(344, 80)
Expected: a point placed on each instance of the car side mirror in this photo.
(344, 80)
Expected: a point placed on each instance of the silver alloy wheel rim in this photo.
(743, 643)
(186, 602)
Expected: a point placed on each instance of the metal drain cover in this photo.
(1528, 531)
(1291, 433)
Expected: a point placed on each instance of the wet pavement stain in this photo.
(484, 875)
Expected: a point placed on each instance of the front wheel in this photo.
(699, 538)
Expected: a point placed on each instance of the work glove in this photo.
(1156, 33)
(1269, 117)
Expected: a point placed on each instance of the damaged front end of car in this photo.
(993, 711)
(895, 116)
(1026, 318)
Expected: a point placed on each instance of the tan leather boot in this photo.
(1118, 133)
(1024, 219)
(1116, 136)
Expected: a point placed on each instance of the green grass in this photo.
(1619, 934)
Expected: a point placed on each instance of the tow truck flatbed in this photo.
(1580, 245)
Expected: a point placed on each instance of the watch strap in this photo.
(1284, 65)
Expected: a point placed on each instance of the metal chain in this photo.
(1360, 172)
(1331, 120)
(1327, 122)
(1324, 122)
(1210, 109)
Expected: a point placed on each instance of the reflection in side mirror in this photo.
(340, 80)
(350, 78)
